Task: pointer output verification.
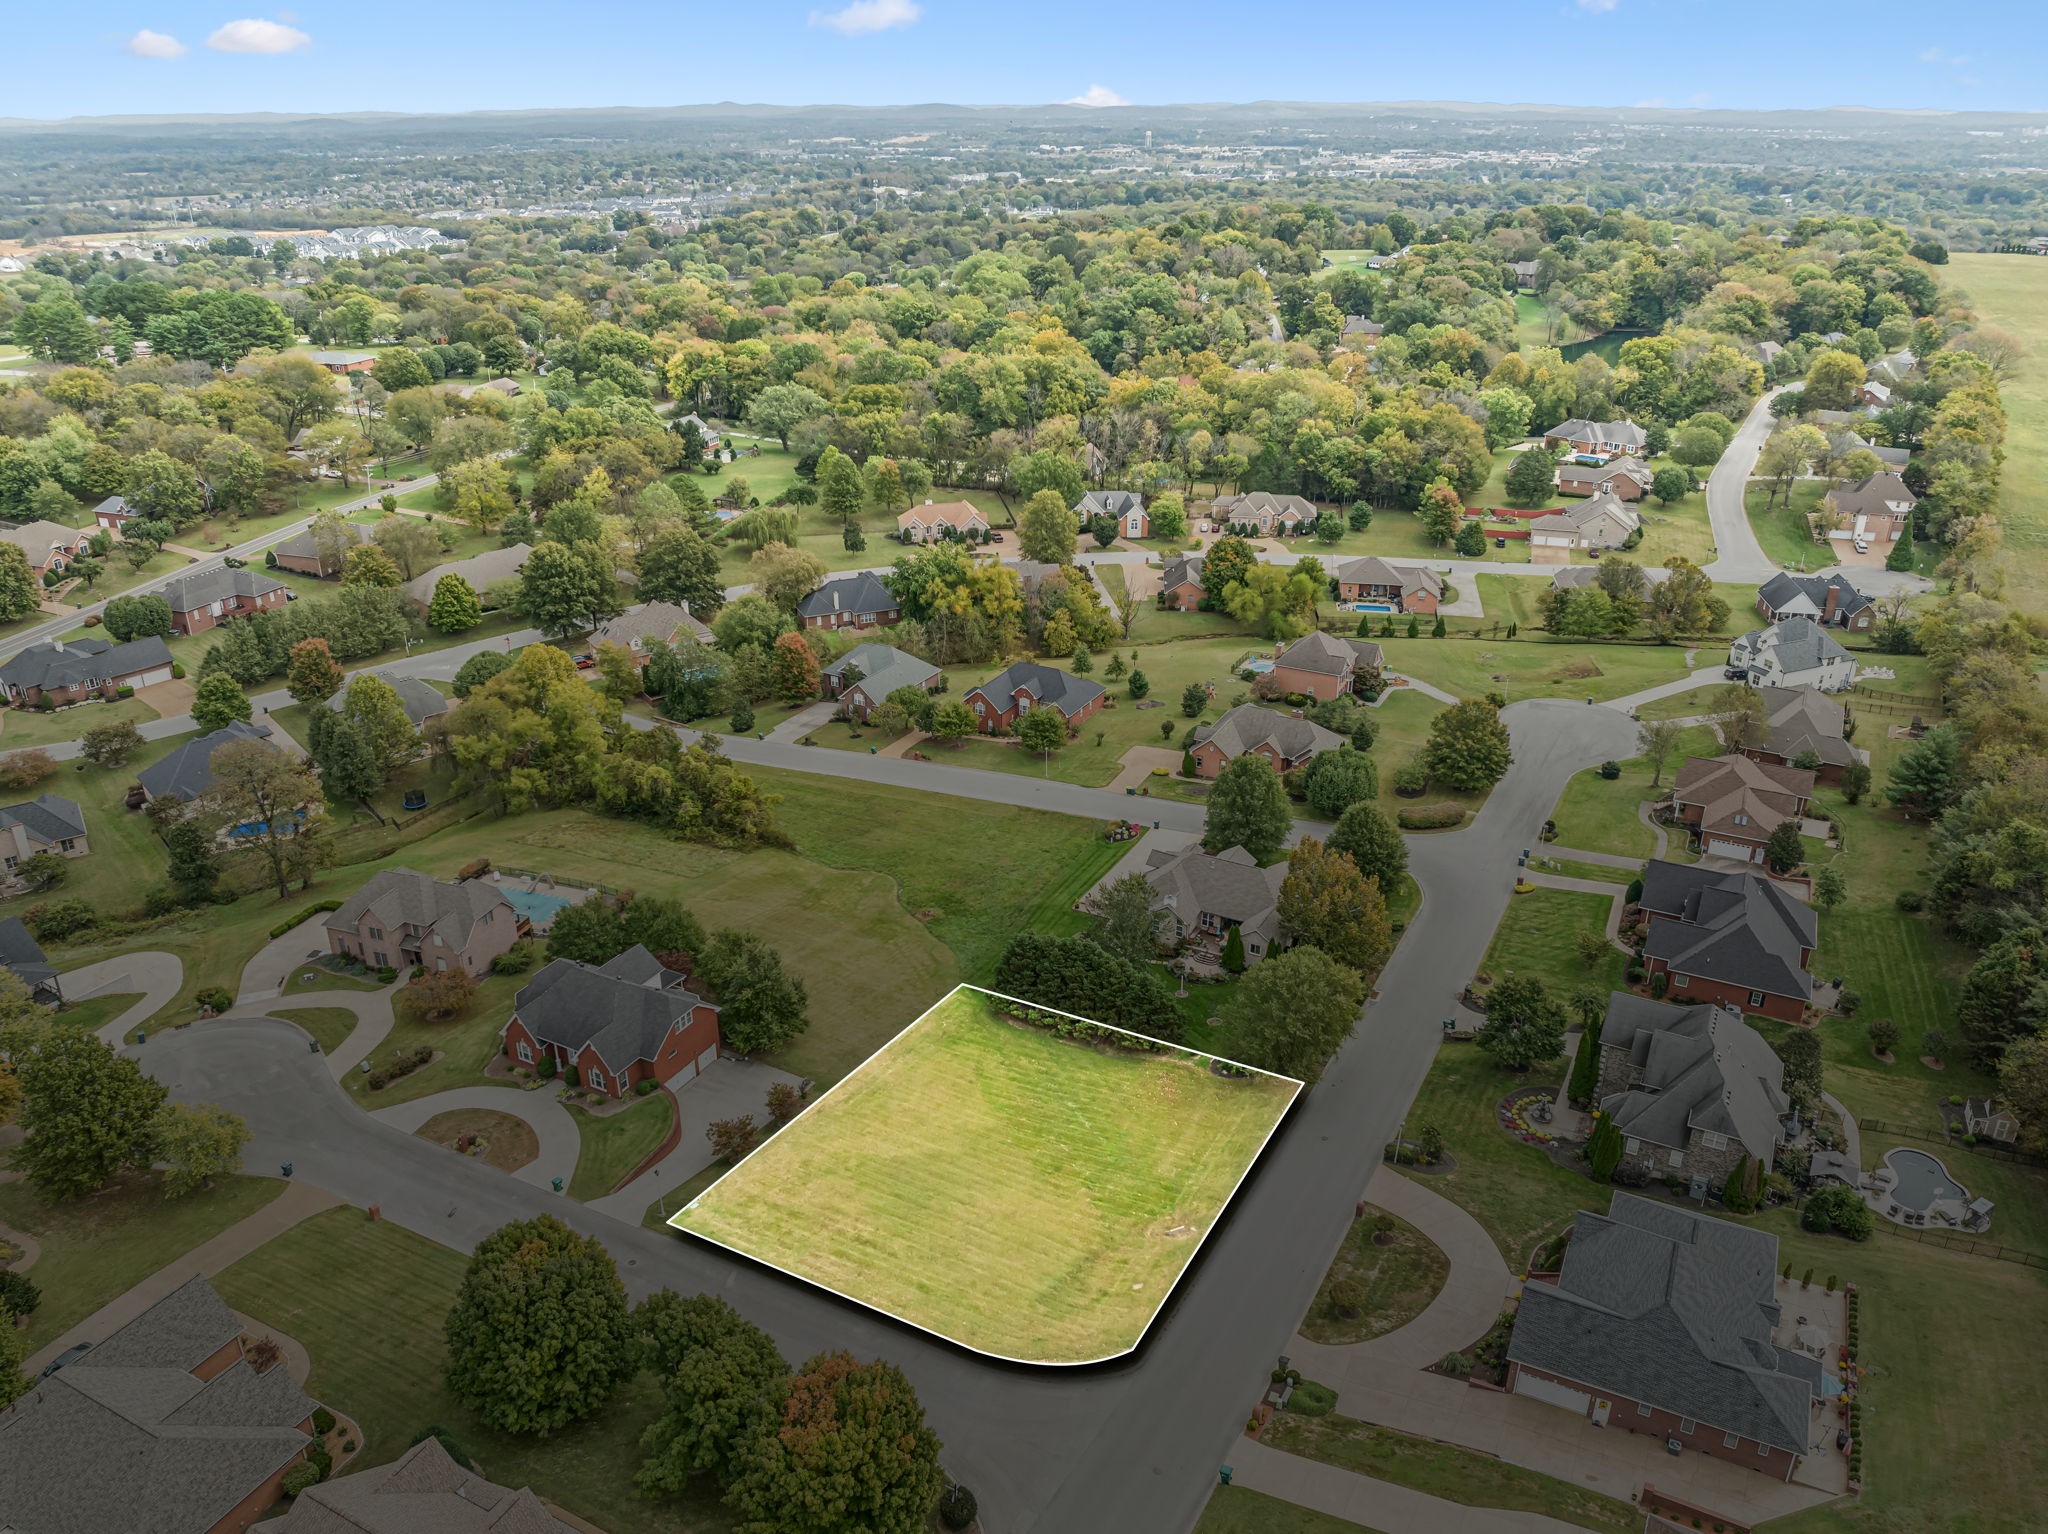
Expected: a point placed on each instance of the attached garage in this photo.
(151, 677)
(1742, 852)
(1551, 1392)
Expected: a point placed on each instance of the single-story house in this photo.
(1285, 740)
(423, 1491)
(1661, 1321)
(46, 823)
(72, 670)
(1626, 479)
(615, 1024)
(1323, 666)
(114, 513)
(650, 623)
(1360, 332)
(1597, 439)
(861, 600)
(301, 555)
(1692, 1088)
(940, 519)
(1263, 514)
(1207, 893)
(420, 700)
(209, 599)
(1795, 653)
(1802, 720)
(1767, 352)
(48, 545)
(343, 362)
(403, 917)
(1180, 583)
(481, 571)
(1527, 274)
(166, 1426)
(1845, 441)
(1878, 506)
(1406, 588)
(881, 670)
(187, 773)
(1000, 701)
(1830, 600)
(1734, 938)
(1126, 508)
(1600, 522)
(23, 956)
(1734, 803)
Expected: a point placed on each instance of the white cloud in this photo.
(1097, 96)
(258, 37)
(154, 45)
(868, 16)
(1598, 5)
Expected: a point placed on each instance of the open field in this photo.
(2010, 293)
(1021, 1195)
(1535, 667)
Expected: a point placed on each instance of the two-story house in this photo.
(1126, 508)
(1796, 652)
(614, 1024)
(1693, 1089)
(403, 918)
(1734, 938)
(1262, 514)
(1733, 803)
(1180, 583)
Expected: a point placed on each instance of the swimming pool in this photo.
(1922, 1180)
(1373, 607)
(1259, 665)
(537, 908)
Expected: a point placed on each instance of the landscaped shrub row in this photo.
(315, 909)
(1062, 1026)
(404, 1065)
(1430, 817)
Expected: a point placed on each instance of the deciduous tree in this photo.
(1468, 746)
(313, 675)
(1295, 1009)
(1524, 1025)
(1248, 809)
(217, 702)
(1327, 903)
(1366, 836)
(88, 1113)
(762, 1007)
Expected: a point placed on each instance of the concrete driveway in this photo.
(158, 976)
(552, 1124)
(728, 1088)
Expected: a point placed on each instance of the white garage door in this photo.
(151, 678)
(1721, 849)
(1527, 1384)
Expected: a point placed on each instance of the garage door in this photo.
(1737, 850)
(151, 678)
(1527, 1384)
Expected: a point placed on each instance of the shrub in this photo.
(516, 960)
(1910, 901)
(25, 769)
(299, 1477)
(177, 671)
(59, 919)
(124, 691)
(1347, 1297)
(643, 1088)
(1411, 779)
(1456, 1365)
(218, 997)
(1660, 983)
(1311, 1399)
(387, 973)
(19, 1295)
(317, 908)
(1610, 770)
(1430, 817)
(1848, 1002)
(455, 1450)
(323, 1421)
(957, 1507)
(1841, 1210)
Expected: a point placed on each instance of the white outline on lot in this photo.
(1215, 1220)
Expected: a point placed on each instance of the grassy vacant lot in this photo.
(1535, 667)
(367, 1300)
(2011, 293)
(1240, 1510)
(1400, 1278)
(1021, 1195)
(1539, 936)
(99, 1247)
(616, 1143)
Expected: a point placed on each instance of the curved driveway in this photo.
(546, 1117)
(158, 976)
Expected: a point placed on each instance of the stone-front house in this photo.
(300, 553)
(1599, 522)
(205, 601)
(1282, 739)
(1263, 514)
(1000, 701)
(1126, 508)
(1405, 588)
(1662, 1321)
(1795, 653)
(1879, 507)
(933, 520)
(1733, 938)
(1830, 601)
(1324, 666)
(1802, 720)
(1597, 439)
(615, 1024)
(48, 545)
(1626, 479)
(166, 1427)
(73, 670)
(403, 917)
(650, 623)
(46, 823)
(1205, 894)
(1693, 1089)
(882, 669)
(1733, 803)
(1180, 583)
(858, 601)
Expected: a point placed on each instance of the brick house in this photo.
(186, 774)
(1002, 699)
(1733, 803)
(1830, 601)
(1360, 333)
(205, 601)
(300, 554)
(881, 670)
(49, 545)
(1626, 479)
(933, 520)
(1879, 506)
(165, 1426)
(403, 918)
(1801, 720)
(1126, 508)
(1249, 730)
(650, 623)
(1733, 938)
(1597, 439)
(1693, 1089)
(857, 601)
(1180, 583)
(114, 513)
(1324, 666)
(1665, 1321)
(1205, 894)
(46, 823)
(342, 363)
(1263, 514)
(615, 1024)
(1405, 588)
(73, 670)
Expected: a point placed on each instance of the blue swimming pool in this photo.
(1373, 607)
(535, 907)
(1922, 1180)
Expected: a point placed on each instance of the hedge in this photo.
(315, 909)
(1430, 817)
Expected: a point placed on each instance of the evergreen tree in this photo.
(1367, 836)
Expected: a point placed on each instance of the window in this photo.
(1642, 1408)
(597, 1078)
(485, 920)
(1631, 1145)
(1730, 1440)
(1681, 981)
(377, 932)
(980, 707)
(1762, 1449)
(1686, 1424)
(1712, 1141)
(1756, 998)
(382, 962)
(67, 844)
(440, 964)
(526, 1051)
(1674, 1158)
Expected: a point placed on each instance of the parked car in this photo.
(585, 661)
(1735, 673)
(70, 1355)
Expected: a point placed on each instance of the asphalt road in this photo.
(1738, 556)
(1132, 1446)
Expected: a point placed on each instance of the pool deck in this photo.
(1879, 1189)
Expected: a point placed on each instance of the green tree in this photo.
(841, 492)
(1782, 849)
(1468, 746)
(313, 674)
(1440, 512)
(1335, 780)
(1228, 562)
(680, 566)
(256, 785)
(2023, 1086)
(368, 564)
(1233, 950)
(564, 590)
(1531, 478)
(1591, 1007)
(762, 1007)
(793, 669)
(196, 1145)
(162, 489)
(372, 705)
(1832, 379)
(1046, 530)
(1671, 484)
(217, 702)
(455, 606)
(1604, 1148)
(1366, 836)
(479, 669)
(1129, 919)
(1327, 903)
(137, 617)
(1042, 731)
(1248, 809)
(20, 592)
(1168, 515)
(1855, 781)
(1926, 780)
(952, 721)
(752, 620)
(87, 1113)
(109, 745)
(1524, 1026)
(1295, 1009)
(1684, 604)
(785, 576)
(1193, 699)
(195, 864)
(719, 1374)
(780, 408)
(539, 1336)
(401, 368)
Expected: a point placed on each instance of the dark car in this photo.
(70, 1355)
(1735, 673)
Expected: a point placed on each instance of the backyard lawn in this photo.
(1100, 1173)
(614, 1144)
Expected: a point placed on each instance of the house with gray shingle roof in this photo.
(1285, 740)
(1323, 666)
(46, 823)
(72, 670)
(1878, 506)
(649, 624)
(1262, 514)
(166, 1427)
(403, 917)
(300, 553)
(420, 700)
(881, 670)
(187, 773)
(615, 1024)
(1207, 893)
(423, 1491)
(1691, 1088)
(1625, 478)
(1180, 583)
(857, 601)
(1407, 588)
(481, 571)
(1795, 653)
(1602, 521)
(1126, 508)
(1734, 938)
(1597, 439)
(1830, 600)
(23, 955)
(1734, 803)
(1663, 1321)
(47, 545)
(1000, 701)
(1801, 720)
(208, 599)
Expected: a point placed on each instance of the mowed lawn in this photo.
(1019, 1194)
(2010, 293)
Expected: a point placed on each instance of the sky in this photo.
(168, 56)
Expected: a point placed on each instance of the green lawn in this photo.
(21, 727)
(1535, 667)
(1596, 815)
(1240, 1510)
(2011, 293)
(1782, 529)
(99, 1247)
(616, 1143)
(126, 856)
(1539, 934)
(1400, 1278)
(1098, 1172)
(367, 1301)
(330, 1026)
(90, 1016)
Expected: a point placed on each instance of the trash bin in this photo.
(1223, 1474)
(1131, 789)
(558, 1184)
